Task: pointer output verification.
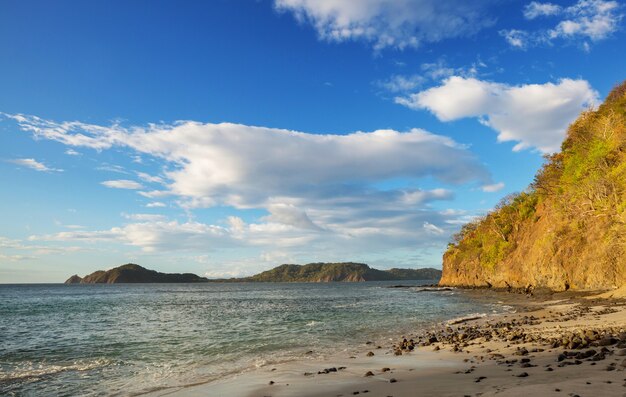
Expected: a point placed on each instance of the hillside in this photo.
(568, 230)
(313, 272)
(131, 273)
(347, 271)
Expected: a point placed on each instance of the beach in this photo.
(557, 344)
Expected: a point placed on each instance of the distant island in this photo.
(312, 272)
(131, 273)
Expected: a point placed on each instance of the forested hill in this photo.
(131, 273)
(568, 230)
(346, 271)
(313, 272)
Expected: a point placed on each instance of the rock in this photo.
(369, 373)
(621, 352)
(386, 369)
(523, 375)
(370, 354)
(392, 380)
(607, 341)
(271, 382)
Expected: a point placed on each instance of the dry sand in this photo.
(482, 366)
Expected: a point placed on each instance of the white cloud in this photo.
(244, 166)
(496, 187)
(399, 83)
(423, 196)
(288, 214)
(585, 20)
(122, 184)
(34, 164)
(156, 204)
(144, 217)
(321, 192)
(390, 23)
(150, 178)
(150, 236)
(535, 115)
(592, 19)
(72, 152)
(14, 258)
(429, 72)
(433, 229)
(535, 9)
(516, 38)
(113, 168)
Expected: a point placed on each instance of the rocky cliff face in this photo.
(131, 273)
(568, 230)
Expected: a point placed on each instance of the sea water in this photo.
(128, 339)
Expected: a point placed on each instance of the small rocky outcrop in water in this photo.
(568, 230)
(75, 279)
(131, 273)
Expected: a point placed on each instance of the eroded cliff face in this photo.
(568, 230)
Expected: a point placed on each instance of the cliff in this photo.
(568, 230)
(131, 273)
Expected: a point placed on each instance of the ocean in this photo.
(129, 339)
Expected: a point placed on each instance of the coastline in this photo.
(555, 344)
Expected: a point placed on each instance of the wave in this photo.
(464, 319)
(432, 289)
(30, 370)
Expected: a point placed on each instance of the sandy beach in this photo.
(554, 345)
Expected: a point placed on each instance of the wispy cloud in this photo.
(535, 9)
(123, 184)
(496, 187)
(395, 24)
(150, 178)
(584, 22)
(34, 164)
(156, 204)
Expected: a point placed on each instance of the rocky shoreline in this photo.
(569, 345)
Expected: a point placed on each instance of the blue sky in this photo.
(227, 137)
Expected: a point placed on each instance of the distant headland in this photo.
(312, 272)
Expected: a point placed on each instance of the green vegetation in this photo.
(346, 271)
(569, 228)
(313, 272)
(131, 273)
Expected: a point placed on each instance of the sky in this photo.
(225, 138)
